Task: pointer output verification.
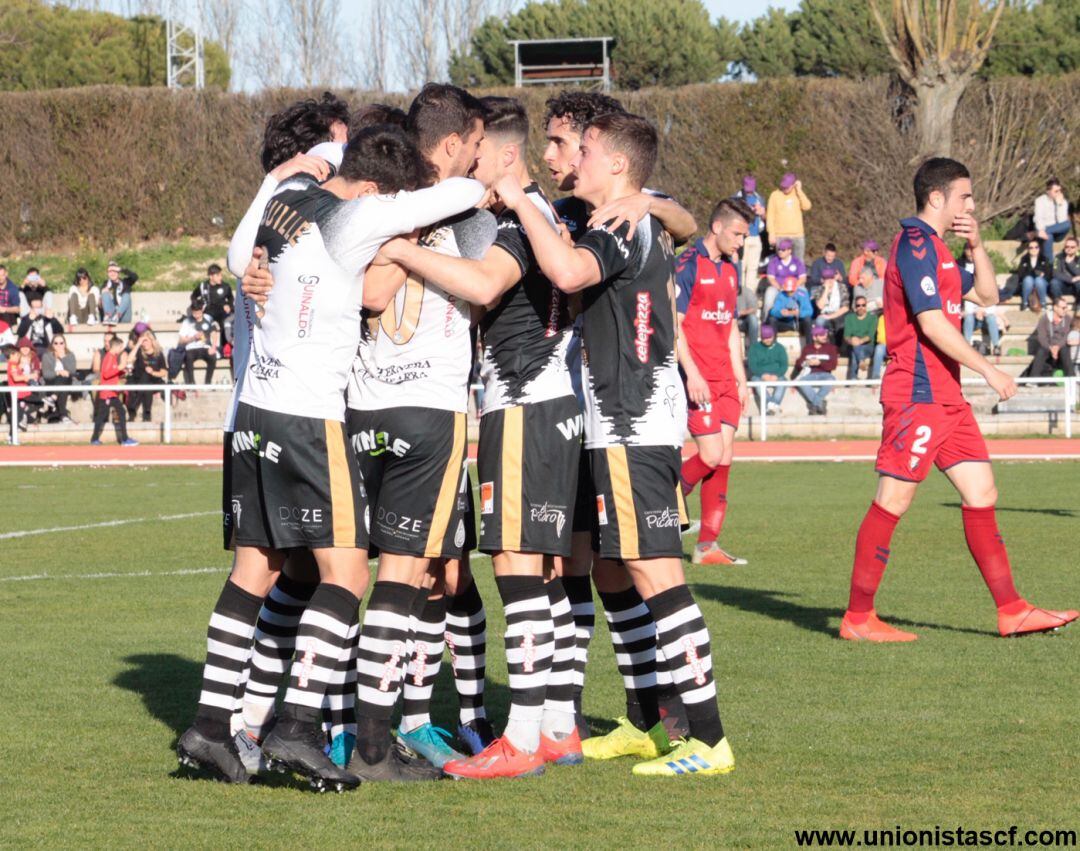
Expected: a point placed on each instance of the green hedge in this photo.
(110, 165)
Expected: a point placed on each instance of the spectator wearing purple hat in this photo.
(829, 260)
(751, 253)
(785, 214)
(869, 255)
(831, 302)
(816, 363)
(782, 265)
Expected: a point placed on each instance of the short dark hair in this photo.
(213, 269)
(300, 127)
(1052, 182)
(580, 108)
(633, 136)
(830, 246)
(376, 113)
(33, 270)
(198, 304)
(936, 175)
(506, 118)
(388, 157)
(440, 110)
(731, 208)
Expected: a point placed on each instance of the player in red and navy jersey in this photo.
(711, 358)
(926, 419)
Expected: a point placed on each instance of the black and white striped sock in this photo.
(633, 636)
(558, 721)
(383, 638)
(228, 648)
(579, 593)
(428, 644)
(339, 705)
(684, 643)
(321, 641)
(530, 642)
(466, 639)
(275, 641)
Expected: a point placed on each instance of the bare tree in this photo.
(368, 65)
(416, 37)
(937, 47)
(460, 18)
(221, 23)
(262, 51)
(311, 34)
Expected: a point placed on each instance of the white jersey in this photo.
(302, 347)
(240, 249)
(418, 352)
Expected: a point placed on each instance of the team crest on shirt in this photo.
(927, 285)
(487, 497)
(913, 462)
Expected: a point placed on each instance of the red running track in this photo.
(1052, 449)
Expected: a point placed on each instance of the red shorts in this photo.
(723, 407)
(915, 436)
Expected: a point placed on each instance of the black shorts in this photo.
(226, 491)
(639, 503)
(527, 464)
(292, 482)
(413, 464)
(585, 499)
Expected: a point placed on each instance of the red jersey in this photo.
(705, 296)
(921, 275)
(110, 374)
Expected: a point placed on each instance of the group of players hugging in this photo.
(374, 252)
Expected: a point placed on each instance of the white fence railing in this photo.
(1069, 389)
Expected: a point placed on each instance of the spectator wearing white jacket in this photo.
(1052, 217)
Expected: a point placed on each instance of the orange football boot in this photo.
(499, 759)
(713, 554)
(1032, 619)
(562, 751)
(872, 629)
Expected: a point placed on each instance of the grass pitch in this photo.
(101, 657)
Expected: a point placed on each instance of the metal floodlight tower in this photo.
(184, 53)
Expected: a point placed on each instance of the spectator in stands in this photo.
(829, 260)
(39, 326)
(871, 287)
(34, 286)
(24, 370)
(198, 339)
(1066, 280)
(216, 294)
(782, 265)
(1051, 218)
(7, 338)
(84, 300)
(860, 331)
(816, 362)
(58, 370)
(1073, 341)
(769, 362)
(148, 368)
(880, 349)
(1051, 341)
(116, 293)
(113, 367)
(1034, 272)
(832, 303)
(748, 307)
(100, 353)
(751, 253)
(988, 322)
(870, 257)
(9, 298)
(784, 214)
(793, 310)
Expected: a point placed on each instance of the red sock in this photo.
(694, 470)
(713, 503)
(871, 557)
(988, 549)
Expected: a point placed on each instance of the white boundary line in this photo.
(135, 574)
(25, 533)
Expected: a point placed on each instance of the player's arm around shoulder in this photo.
(568, 268)
(480, 282)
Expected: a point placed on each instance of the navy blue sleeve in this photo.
(967, 281)
(685, 276)
(917, 261)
